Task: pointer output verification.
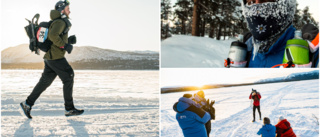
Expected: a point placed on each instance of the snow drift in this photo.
(181, 51)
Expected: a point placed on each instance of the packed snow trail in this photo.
(296, 101)
(116, 103)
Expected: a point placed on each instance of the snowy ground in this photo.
(296, 101)
(116, 103)
(181, 51)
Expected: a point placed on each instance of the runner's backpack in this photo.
(38, 34)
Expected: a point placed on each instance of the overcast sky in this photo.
(203, 76)
(111, 24)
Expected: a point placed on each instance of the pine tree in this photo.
(297, 18)
(165, 13)
(307, 18)
(196, 17)
(183, 13)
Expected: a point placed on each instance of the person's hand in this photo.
(72, 39)
(212, 112)
(68, 48)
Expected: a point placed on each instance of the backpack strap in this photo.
(246, 36)
(315, 59)
(289, 127)
(68, 25)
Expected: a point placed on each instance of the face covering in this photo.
(267, 21)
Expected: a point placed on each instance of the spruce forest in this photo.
(212, 18)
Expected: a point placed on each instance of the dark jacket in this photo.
(56, 28)
(256, 99)
(284, 129)
(191, 118)
(267, 130)
(274, 55)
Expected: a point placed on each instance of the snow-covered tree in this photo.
(165, 13)
(306, 17)
(183, 14)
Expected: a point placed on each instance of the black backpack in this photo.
(38, 34)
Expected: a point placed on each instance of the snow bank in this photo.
(192, 52)
(293, 77)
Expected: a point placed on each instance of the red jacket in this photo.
(256, 99)
(282, 126)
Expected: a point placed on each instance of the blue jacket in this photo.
(267, 131)
(191, 118)
(275, 54)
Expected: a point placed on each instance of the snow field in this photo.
(116, 103)
(296, 101)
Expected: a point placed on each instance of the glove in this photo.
(309, 32)
(72, 39)
(208, 127)
(68, 48)
(210, 109)
(210, 104)
(212, 112)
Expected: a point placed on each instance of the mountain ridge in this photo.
(13, 57)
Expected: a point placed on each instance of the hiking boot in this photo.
(73, 112)
(26, 109)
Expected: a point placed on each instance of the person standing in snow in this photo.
(270, 24)
(206, 105)
(255, 96)
(283, 128)
(191, 117)
(267, 129)
(55, 61)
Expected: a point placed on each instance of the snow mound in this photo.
(193, 52)
(293, 77)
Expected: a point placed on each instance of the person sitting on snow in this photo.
(267, 129)
(191, 117)
(270, 24)
(206, 105)
(284, 129)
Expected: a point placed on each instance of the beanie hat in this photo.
(268, 21)
(60, 5)
(281, 118)
(200, 93)
(266, 120)
(187, 95)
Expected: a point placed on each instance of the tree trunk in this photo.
(211, 33)
(161, 30)
(203, 27)
(167, 30)
(196, 18)
(183, 27)
(219, 31)
(225, 32)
